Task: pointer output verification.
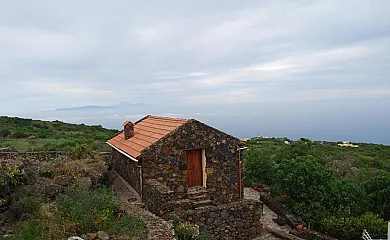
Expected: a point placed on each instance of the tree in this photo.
(307, 185)
(259, 167)
(378, 189)
(4, 133)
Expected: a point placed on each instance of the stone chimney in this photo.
(128, 129)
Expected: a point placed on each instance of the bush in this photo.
(127, 224)
(32, 230)
(85, 211)
(4, 133)
(78, 212)
(350, 228)
(80, 152)
(25, 203)
(188, 231)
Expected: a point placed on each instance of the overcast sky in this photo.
(318, 69)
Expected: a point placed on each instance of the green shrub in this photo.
(26, 202)
(176, 220)
(31, 229)
(126, 224)
(80, 152)
(85, 211)
(350, 228)
(186, 231)
(78, 212)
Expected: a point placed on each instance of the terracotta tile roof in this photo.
(146, 132)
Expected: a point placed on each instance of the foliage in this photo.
(33, 229)
(9, 174)
(332, 188)
(176, 220)
(13, 174)
(188, 231)
(80, 211)
(259, 167)
(349, 228)
(26, 201)
(87, 210)
(90, 211)
(36, 135)
(378, 188)
(80, 152)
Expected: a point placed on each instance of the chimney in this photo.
(128, 129)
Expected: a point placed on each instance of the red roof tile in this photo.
(146, 132)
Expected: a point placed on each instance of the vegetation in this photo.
(61, 196)
(188, 231)
(35, 135)
(337, 190)
(78, 212)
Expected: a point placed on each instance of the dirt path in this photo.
(266, 218)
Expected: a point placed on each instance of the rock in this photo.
(64, 180)
(102, 235)
(180, 188)
(75, 238)
(84, 182)
(225, 214)
(48, 209)
(126, 237)
(52, 191)
(91, 236)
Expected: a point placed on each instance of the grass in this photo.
(35, 135)
(49, 144)
(32, 229)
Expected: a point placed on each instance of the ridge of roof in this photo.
(168, 118)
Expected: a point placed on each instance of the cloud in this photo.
(342, 94)
(186, 53)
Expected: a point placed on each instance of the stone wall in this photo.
(158, 198)
(281, 210)
(235, 220)
(127, 168)
(166, 161)
(310, 234)
(39, 156)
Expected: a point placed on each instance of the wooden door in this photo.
(194, 168)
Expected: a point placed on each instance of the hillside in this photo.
(35, 135)
(337, 190)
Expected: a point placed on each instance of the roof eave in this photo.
(122, 152)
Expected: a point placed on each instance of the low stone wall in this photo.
(281, 210)
(282, 235)
(40, 156)
(236, 220)
(157, 197)
(310, 234)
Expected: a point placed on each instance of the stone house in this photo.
(179, 154)
(180, 165)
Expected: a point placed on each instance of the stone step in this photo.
(199, 197)
(196, 189)
(203, 203)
